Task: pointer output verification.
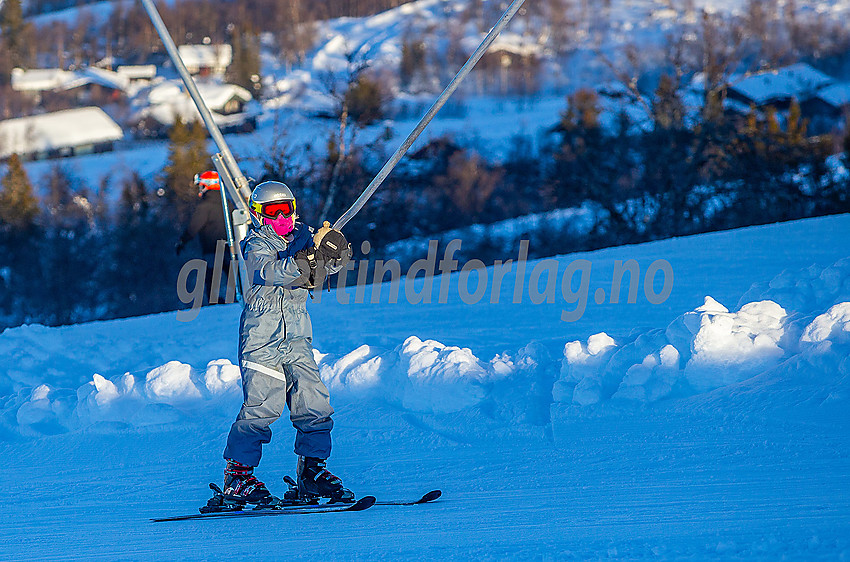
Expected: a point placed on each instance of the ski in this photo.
(293, 493)
(429, 497)
(284, 506)
(363, 503)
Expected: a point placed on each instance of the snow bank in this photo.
(701, 350)
(168, 393)
(762, 348)
(832, 326)
(806, 291)
(419, 376)
(788, 352)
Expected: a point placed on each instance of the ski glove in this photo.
(311, 272)
(331, 246)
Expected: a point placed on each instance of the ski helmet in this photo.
(206, 181)
(272, 203)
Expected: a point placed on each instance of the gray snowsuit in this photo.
(276, 354)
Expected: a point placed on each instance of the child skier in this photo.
(284, 262)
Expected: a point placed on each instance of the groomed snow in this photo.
(712, 426)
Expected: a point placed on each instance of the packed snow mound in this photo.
(582, 369)
(765, 354)
(168, 393)
(711, 348)
(807, 290)
(422, 376)
(701, 350)
(653, 378)
(834, 326)
(729, 347)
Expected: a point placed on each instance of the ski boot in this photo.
(315, 481)
(242, 487)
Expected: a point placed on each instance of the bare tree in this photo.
(343, 139)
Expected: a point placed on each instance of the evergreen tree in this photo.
(69, 258)
(412, 61)
(580, 145)
(176, 171)
(364, 100)
(141, 286)
(187, 156)
(668, 178)
(18, 243)
(18, 204)
(245, 69)
(846, 143)
(13, 40)
(668, 111)
(592, 164)
(841, 188)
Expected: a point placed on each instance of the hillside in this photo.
(590, 49)
(711, 425)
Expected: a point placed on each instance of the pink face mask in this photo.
(281, 225)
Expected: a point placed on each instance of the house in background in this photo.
(206, 60)
(54, 88)
(71, 132)
(95, 86)
(829, 109)
(824, 102)
(777, 88)
(232, 108)
(34, 82)
(137, 72)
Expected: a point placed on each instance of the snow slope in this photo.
(710, 426)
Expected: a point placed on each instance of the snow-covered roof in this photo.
(45, 79)
(164, 92)
(215, 95)
(168, 100)
(137, 71)
(196, 56)
(50, 131)
(798, 80)
(736, 106)
(836, 95)
(39, 79)
(186, 110)
(100, 76)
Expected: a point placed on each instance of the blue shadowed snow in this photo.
(711, 426)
